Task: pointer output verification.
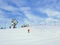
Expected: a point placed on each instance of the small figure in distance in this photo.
(28, 30)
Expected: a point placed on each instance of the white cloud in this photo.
(33, 20)
(51, 12)
(9, 8)
(4, 5)
(30, 18)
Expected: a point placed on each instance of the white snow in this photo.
(39, 35)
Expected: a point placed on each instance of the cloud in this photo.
(51, 12)
(9, 8)
(31, 18)
(30, 12)
(53, 16)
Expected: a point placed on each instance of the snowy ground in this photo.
(39, 35)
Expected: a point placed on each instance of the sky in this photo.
(32, 12)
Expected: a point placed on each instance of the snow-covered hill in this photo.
(39, 35)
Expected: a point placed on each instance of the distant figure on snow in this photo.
(28, 30)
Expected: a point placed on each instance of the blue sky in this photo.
(33, 12)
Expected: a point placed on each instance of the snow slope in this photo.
(39, 35)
